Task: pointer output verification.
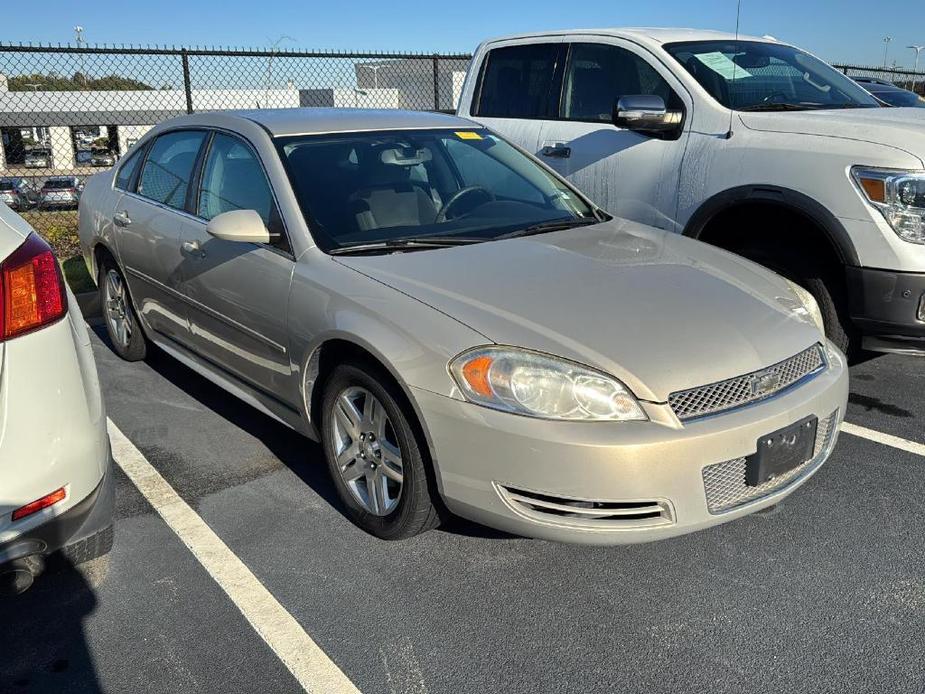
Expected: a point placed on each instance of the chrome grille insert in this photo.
(586, 512)
(748, 388)
(724, 483)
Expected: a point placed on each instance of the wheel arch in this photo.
(785, 198)
(337, 348)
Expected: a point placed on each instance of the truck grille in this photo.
(742, 390)
(724, 483)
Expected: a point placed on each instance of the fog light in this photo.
(920, 314)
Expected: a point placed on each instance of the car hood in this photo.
(901, 128)
(658, 311)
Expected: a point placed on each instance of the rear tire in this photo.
(369, 444)
(122, 326)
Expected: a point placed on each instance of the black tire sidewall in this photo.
(415, 510)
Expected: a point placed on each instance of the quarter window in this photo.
(598, 74)
(127, 170)
(169, 167)
(519, 82)
(234, 180)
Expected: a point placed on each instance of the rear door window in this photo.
(521, 82)
(169, 167)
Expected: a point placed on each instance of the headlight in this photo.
(900, 197)
(536, 385)
(810, 306)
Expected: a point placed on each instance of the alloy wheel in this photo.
(117, 309)
(367, 451)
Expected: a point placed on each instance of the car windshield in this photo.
(368, 188)
(762, 76)
(898, 97)
(7, 185)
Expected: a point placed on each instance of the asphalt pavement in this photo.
(825, 593)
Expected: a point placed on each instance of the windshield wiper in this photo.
(778, 106)
(411, 243)
(551, 225)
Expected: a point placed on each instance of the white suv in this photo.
(746, 143)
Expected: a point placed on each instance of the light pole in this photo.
(273, 48)
(917, 49)
(79, 34)
(886, 48)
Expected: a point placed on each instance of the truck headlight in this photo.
(900, 197)
(537, 385)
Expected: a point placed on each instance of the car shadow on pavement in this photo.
(44, 644)
(304, 457)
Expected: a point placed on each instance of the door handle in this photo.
(557, 151)
(193, 248)
(121, 219)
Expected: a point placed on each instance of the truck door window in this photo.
(520, 82)
(598, 74)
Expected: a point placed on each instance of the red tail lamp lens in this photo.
(32, 289)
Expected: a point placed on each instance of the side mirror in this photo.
(645, 113)
(243, 226)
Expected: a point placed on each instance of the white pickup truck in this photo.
(746, 143)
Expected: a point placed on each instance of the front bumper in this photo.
(885, 306)
(82, 520)
(632, 481)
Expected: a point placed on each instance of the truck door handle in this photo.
(557, 151)
(193, 248)
(121, 219)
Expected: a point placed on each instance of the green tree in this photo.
(55, 83)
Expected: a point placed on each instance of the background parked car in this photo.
(890, 93)
(54, 449)
(102, 158)
(746, 143)
(17, 194)
(37, 159)
(60, 192)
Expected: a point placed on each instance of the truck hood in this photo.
(658, 311)
(901, 128)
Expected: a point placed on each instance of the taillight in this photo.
(32, 289)
(39, 504)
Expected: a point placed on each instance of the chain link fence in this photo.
(905, 79)
(69, 112)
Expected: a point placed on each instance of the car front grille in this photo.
(741, 390)
(586, 512)
(724, 483)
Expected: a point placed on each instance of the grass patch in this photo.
(75, 272)
(58, 227)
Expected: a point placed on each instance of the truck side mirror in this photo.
(645, 113)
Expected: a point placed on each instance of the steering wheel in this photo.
(444, 212)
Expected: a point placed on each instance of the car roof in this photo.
(653, 35)
(316, 121)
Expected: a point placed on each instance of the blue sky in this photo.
(849, 30)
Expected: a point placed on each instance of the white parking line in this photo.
(279, 629)
(885, 439)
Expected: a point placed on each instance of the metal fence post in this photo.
(184, 56)
(436, 82)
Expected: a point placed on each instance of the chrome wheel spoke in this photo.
(369, 462)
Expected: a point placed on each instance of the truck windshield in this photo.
(763, 76)
(381, 187)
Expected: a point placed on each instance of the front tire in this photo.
(374, 456)
(128, 341)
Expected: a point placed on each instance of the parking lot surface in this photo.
(824, 593)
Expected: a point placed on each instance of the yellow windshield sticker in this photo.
(468, 135)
